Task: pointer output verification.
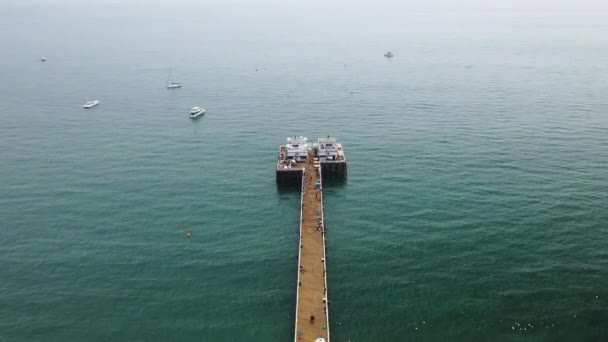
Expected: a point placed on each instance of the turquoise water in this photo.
(475, 209)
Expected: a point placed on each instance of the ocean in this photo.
(475, 208)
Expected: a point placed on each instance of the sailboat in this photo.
(170, 83)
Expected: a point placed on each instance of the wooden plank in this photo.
(312, 280)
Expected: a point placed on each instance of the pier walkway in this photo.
(312, 312)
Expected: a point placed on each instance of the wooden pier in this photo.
(300, 163)
(312, 311)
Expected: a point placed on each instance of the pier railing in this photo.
(299, 254)
(325, 294)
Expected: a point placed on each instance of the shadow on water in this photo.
(288, 189)
(334, 183)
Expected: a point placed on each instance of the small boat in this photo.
(170, 83)
(389, 54)
(43, 59)
(91, 104)
(196, 112)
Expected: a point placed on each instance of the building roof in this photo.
(297, 140)
(327, 140)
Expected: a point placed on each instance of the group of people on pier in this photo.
(320, 226)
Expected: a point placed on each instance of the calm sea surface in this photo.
(476, 207)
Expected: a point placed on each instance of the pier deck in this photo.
(312, 279)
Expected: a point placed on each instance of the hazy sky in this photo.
(516, 5)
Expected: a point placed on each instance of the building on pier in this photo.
(331, 158)
(293, 156)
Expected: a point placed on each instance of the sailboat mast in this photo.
(170, 83)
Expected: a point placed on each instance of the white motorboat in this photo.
(196, 112)
(91, 104)
(170, 83)
(389, 55)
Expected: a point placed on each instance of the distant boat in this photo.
(91, 104)
(389, 55)
(43, 59)
(170, 83)
(196, 112)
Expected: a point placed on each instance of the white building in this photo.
(297, 149)
(328, 150)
